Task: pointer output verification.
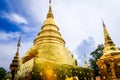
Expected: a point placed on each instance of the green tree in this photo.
(96, 54)
(7, 76)
(2, 73)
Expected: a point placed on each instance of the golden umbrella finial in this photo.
(50, 14)
(50, 1)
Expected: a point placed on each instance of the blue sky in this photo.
(80, 23)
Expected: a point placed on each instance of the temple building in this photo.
(109, 63)
(49, 59)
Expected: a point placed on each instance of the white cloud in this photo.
(14, 17)
(85, 47)
(28, 29)
(7, 52)
(8, 35)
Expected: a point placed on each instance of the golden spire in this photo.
(49, 32)
(85, 62)
(50, 14)
(106, 35)
(18, 45)
(109, 46)
(14, 66)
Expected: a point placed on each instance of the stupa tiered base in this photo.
(42, 69)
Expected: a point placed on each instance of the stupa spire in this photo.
(106, 34)
(18, 45)
(50, 14)
(109, 46)
(14, 66)
(50, 31)
(107, 38)
(85, 62)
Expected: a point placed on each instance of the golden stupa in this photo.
(48, 58)
(109, 63)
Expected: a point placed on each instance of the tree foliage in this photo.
(96, 54)
(2, 73)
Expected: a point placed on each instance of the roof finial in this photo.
(18, 45)
(85, 62)
(106, 34)
(50, 14)
(19, 41)
(49, 1)
(103, 22)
